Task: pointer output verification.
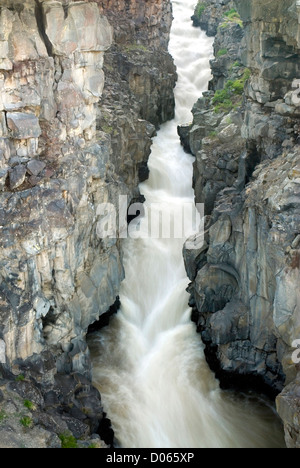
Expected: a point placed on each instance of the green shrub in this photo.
(247, 74)
(226, 106)
(232, 16)
(29, 405)
(20, 378)
(221, 95)
(238, 85)
(68, 441)
(26, 421)
(222, 52)
(232, 13)
(227, 98)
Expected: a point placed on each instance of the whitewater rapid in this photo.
(149, 364)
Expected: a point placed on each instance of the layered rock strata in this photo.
(67, 145)
(245, 279)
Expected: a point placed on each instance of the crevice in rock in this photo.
(106, 432)
(252, 159)
(39, 14)
(66, 9)
(105, 318)
(48, 320)
(248, 162)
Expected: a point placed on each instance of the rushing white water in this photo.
(149, 363)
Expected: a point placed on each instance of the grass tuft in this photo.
(26, 421)
(68, 441)
(29, 405)
(222, 52)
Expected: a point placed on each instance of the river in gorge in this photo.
(149, 363)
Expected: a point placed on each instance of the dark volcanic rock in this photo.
(17, 176)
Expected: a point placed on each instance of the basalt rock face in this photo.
(139, 22)
(67, 145)
(144, 71)
(245, 278)
(209, 14)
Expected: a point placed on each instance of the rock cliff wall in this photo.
(245, 139)
(68, 144)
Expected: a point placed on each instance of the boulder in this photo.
(23, 125)
(35, 167)
(17, 176)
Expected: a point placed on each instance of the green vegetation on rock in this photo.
(135, 47)
(29, 405)
(26, 421)
(68, 441)
(222, 52)
(20, 378)
(200, 8)
(231, 16)
(230, 96)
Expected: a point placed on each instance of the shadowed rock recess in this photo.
(245, 139)
(84, 85)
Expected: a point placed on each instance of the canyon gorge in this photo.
(85, 87)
